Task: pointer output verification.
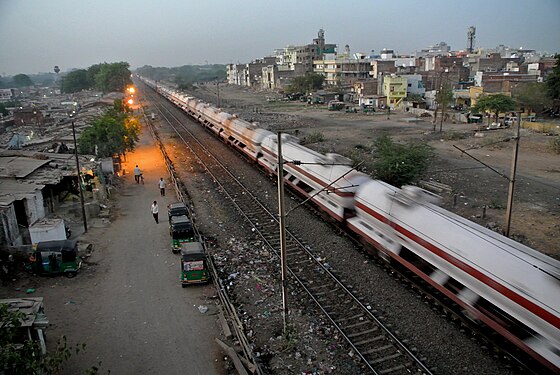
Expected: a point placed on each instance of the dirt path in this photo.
(127, 304)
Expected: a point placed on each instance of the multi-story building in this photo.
(342, 71)
(394, 88)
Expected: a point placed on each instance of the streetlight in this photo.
(79, 177)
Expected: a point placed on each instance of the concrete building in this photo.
(394, 87)
(440, 49)
(342, 71)
(5, 95)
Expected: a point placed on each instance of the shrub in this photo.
(555, 145)
(400, 164)
(314, 137)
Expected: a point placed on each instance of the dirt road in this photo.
(127, 304)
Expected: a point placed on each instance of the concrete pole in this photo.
(512, 176)
(282, 216)
(79, 178)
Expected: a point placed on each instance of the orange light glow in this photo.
(130, 101)
(131, 90)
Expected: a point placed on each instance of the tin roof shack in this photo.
(47, 230)
(33, 322)
(34, 185)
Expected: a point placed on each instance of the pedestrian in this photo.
(155, 211)
(137, 173)
(161, 187)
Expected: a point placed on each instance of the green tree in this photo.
(3, 110)
(25, 358)
(400, 164)
(306, 83)
(497, 104)
(113, 77)
(22, 80)
(553, 80)
(532, 96)
(113, 133)
(76, 81)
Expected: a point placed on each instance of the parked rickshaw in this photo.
(177, 209)
(56, 257)
(181, 231)
(194, 266)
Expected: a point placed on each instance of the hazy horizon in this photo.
(170, 33)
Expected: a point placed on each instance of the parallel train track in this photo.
(379, 349)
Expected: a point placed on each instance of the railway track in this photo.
(379, 349)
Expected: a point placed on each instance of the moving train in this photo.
(508, 286)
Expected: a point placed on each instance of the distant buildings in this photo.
(395, 77)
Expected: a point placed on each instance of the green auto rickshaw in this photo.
(194, 265)
(177, 209)
(56, 257)
(181, 231)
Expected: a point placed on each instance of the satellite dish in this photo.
(56, 69)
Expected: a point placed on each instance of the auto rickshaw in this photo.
(194, 268)
(181, 231)
(177, 209)
(56, 257)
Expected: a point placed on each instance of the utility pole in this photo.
(79, 178)
(512, 175)
(283, 262)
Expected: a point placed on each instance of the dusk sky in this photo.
(39, 34)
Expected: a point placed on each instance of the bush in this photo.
(555, 145)
(453, 136)
(400, 164)
(314, 137)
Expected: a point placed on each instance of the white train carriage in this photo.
(244, 136)
(329, 180)
(512, 288)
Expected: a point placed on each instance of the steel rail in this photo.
(383, 353)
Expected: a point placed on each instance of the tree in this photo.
(532, 96)
(113, 133)
(113, 77)
(444, 96)
(3, 110)
(400, 164)
(553, 80)
(25, 358)
(76, 81)
(22, 80)
(308, 82)
(497, 103)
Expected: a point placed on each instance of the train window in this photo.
(367, 226)
(332, 204)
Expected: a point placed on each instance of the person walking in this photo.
(155, 211)
(161, 184)
(137, 174)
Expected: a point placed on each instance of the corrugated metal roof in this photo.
(19, 167)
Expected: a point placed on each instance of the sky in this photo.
(39, 34)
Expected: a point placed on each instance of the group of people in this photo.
(138, 177)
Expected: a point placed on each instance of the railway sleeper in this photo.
(358, 334)
(353, 317)
(396, 368)
(377, 350)
(359, 324)
(385, 359)
(370, 340)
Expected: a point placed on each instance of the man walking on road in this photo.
(161, 187)
(155, 211)
(137, 173)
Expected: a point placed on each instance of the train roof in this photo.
(520, 268)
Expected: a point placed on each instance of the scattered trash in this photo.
(70, 302)
(203, 309)
(30, 290)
